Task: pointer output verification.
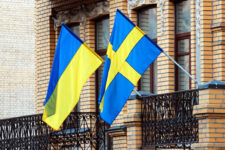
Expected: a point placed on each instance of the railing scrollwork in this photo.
(79, 131)
(168, 121)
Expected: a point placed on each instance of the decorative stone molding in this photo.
(134, 3)
(198, 30)
(81, 14)
(160, 4)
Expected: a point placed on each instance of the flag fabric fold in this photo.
(74, 62)
(130, 52)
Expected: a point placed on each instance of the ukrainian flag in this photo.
(130, 52)
(73, 64)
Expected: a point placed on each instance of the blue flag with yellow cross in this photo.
(130, 52)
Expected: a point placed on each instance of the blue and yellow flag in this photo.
(74, 62)
(129, 54)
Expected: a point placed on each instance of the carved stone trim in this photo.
(81, 14)
(134, 3)
(161, 4)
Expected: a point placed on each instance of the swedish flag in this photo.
(130, 52)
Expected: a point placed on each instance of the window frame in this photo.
(151, 77)
(178, 37)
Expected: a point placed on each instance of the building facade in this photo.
(190, 31)
(17, 59)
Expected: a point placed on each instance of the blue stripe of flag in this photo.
(143, 54)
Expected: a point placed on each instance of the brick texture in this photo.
(17, 59)
(211, 114)
(44, 52)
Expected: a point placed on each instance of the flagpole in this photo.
(188, 74)
(137, 92)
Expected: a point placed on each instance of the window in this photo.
(147, 21)
(183, 46)
(101, 40)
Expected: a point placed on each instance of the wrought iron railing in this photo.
(79, 131)
(168, 121)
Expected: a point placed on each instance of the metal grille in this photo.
(79, 131)
(24, 133)
(168, 121)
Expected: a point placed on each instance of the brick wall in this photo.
(211, 115)
(17, 63)
(211, 64)
(218, 30)
(44, 51)
(206, 40)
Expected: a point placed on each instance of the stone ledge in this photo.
(117, 131)
(209, 111)
(209, 145)
(135, 96)
(218, 27)
(214, 84)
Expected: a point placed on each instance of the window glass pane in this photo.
(183, 46)
(183, 79)
(183, 17)
(102, 34)
(145, 81)
(75, 29)
(148, 22)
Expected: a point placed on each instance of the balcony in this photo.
(79, 131)
(167, 120)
